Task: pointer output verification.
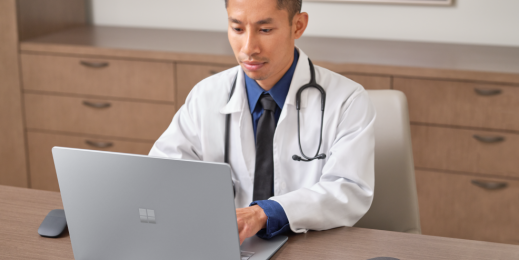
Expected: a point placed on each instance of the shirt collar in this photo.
(280, 90)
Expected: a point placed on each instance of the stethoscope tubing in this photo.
(311, 84)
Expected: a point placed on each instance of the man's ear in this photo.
(299, 23)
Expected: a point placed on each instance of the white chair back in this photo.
(395, 202)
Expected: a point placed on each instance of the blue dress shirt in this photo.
(277, 221)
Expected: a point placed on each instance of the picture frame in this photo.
(411, 2)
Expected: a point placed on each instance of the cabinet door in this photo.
(188, 75)
(370, 81)
(468, 207)
(465, 150)
(455, 103)
(128, 119)
(41, 163)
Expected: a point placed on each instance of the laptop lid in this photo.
(123, 206)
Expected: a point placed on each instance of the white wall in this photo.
(490, 22)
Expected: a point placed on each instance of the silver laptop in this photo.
(125, 206)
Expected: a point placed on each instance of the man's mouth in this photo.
(253, 65)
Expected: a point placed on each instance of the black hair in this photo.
(293, 7)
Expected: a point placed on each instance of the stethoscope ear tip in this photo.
(296, 158)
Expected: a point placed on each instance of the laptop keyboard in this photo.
(245, 255)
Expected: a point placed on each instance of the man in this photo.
(275, 193)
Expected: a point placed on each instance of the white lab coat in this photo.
(317, 195)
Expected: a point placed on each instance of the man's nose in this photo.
(251, 45)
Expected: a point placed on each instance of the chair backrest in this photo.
(395, 202)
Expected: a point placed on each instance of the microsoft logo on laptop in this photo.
(147, 216)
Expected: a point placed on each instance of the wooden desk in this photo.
(24, 209)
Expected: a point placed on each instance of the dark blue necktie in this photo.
(264, 170)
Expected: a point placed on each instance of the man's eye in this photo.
(266, 30)
(237, 29)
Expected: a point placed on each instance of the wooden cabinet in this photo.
(188, 75)
(468, 206)
(97, 101)
(370, 81)
(137, 120)
(465, 144)
(42, 171)
(99, 77)
(454, 103)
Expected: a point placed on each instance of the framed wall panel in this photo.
(419, 2)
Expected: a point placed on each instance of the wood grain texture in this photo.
(41, 163)
(458, 104)
(417, 72)
(463, 57)
(25, 209)
(127, 119)
(358, 243)
(451, 206)
(138, 43)
(188, 75)
(458, 150)
(370, 81)
(450, 61)
(120, 78)
(13, 167)
(37, 17)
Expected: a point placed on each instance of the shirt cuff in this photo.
(277, 221)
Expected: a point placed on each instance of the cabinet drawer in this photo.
(370, 82)
(128, 119)
(460, 103)
(41, 164)
(99, 76)
(188, 75)
(465, 150)
(451, 205)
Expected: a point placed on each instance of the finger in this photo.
(241, 225)
(242, 238)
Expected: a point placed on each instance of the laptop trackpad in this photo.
(261, 249)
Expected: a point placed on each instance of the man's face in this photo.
(261, 37)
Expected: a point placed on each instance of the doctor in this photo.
(274, 192)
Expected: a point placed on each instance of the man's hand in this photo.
(250, 221)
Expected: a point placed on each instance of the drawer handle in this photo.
(487, 92)
(97, 104)
(490, 185)
(96, 65)
(99, 144)
(213, 72)
(489, 139)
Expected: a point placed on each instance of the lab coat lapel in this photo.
(301, 77)
(285, 127)
(238, 106)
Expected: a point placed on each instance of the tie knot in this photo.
(268, 103)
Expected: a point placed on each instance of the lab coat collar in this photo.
(301, 77)
(239, 104)
(239, 98)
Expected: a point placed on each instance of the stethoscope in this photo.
(312, 84)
